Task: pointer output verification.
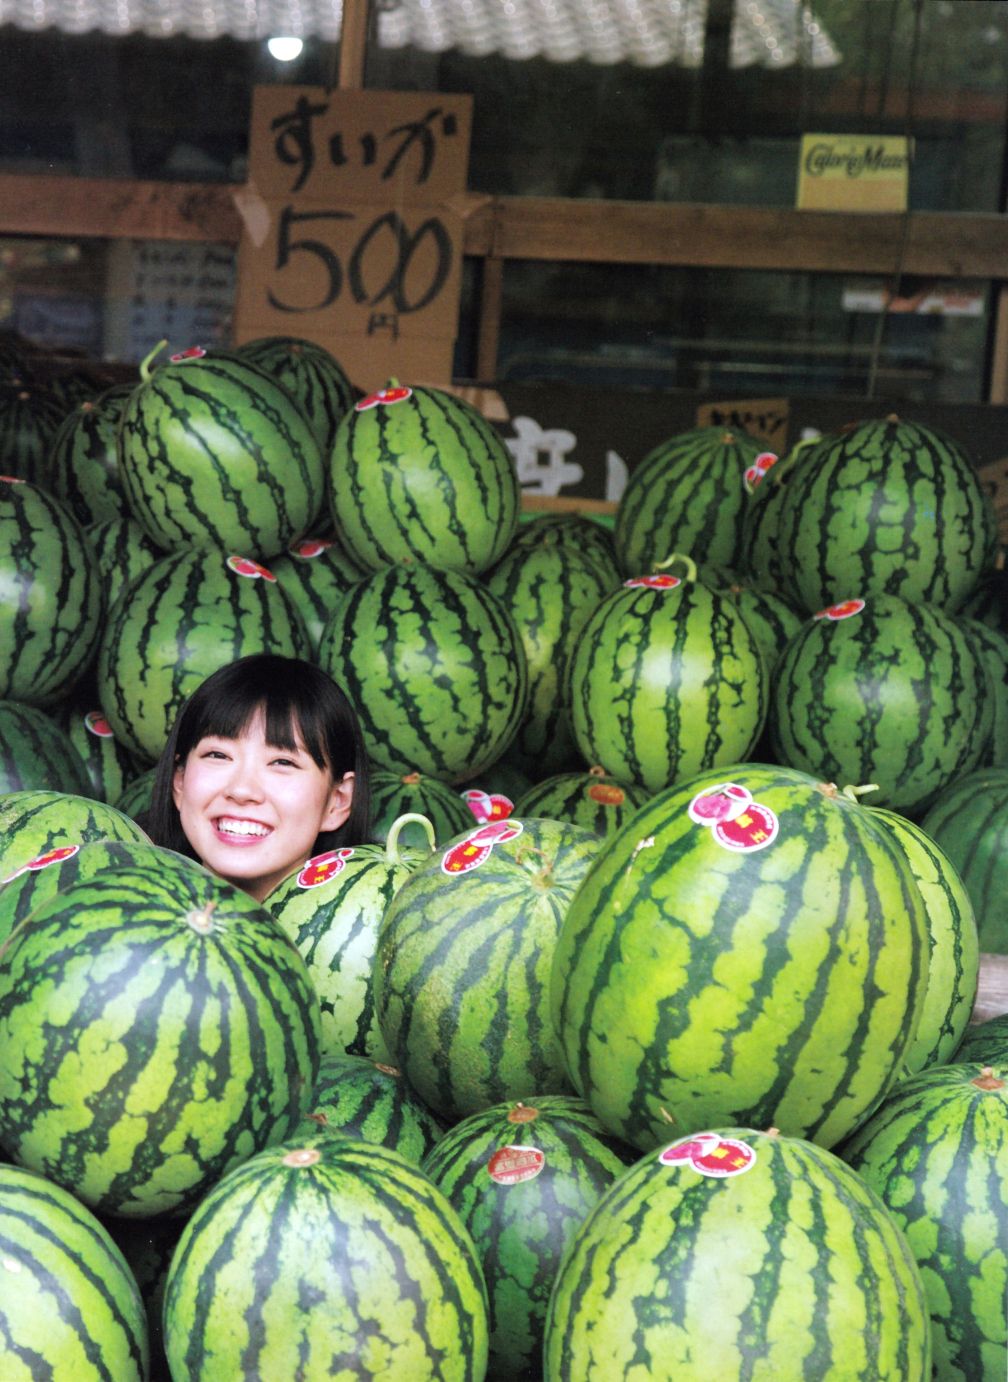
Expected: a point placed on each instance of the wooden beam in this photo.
(940, 244)
(353, 44)
(490, 306)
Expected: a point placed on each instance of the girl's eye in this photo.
(285, 762)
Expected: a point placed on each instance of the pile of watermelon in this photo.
(635, 1043)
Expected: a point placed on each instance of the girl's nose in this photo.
(244, 783)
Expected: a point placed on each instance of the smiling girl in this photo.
(264, 768)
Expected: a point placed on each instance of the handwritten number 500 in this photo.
(405, 246)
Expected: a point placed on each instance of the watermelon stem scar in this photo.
(987, 1079)
(201, 921)
(304, 1156)
(145, 363)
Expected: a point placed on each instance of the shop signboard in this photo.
(853, 172)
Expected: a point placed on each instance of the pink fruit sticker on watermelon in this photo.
(735, 821)
(474, 849)
(192, 353)
(96, 723)
(844, 610)
(514, 1165)
(42, 861)
(658, 582)
(310, 547)
(322, 867)
(720, 803)
(487, 806)
(710, 1155)
(11, 480)
(756, 472)
(383, 396)
(245, 566)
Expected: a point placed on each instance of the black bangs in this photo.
(288, 716)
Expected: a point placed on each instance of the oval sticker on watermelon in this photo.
(658, 582)
(756, 472)
(323, 867)
(474, 849)
(383, 396)
(710, 1155)
(42, 861)
(844, 610)
(96, 723)
(245, 566)
(309, 547)
(513, 1165)
(192, 353)
(487, 806)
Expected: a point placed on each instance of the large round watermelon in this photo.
(357, 1097)
(69, 1309)
(881, 691)
(214, 452)
(434, 665)
(667, 680)
(752, 946)
(419, 475)
(52, 602)
(157, 1028)
(37, 755)
(311, 374)
(463, 965)
(323, 1257)
(936, 1153)
(888, 507)
(84, 459)
(190, 614)
(736, 1253)
(592, 799)
(314, 572)
(969, 823)
(32, 824)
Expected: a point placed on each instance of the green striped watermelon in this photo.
(34, 823)
(42, 878)
(356, 1097)
(434, 665)
(312, 375)
(575, 532)
(37, 755)
(419, 475)
(551, 588)
(214, 452)
(326, 1257)
(462, 971)
(331, 910)
(969, 823)
(107, 764)
(936, 1153)
(122, 551)
(759, 554)
(667, 680)
(593, 799)
(752, 946)
(993, 648)
(400, 794)
(985, 1043)
(888, 507)
(736, 1253)
(688, 495)
(135, 801)
(29, 418)
(954, 950)
(70, 1310)
(522, 1177)
(314, 572)
(885, 692)
(52, 604)
(771, 619)
(157, 1029)
(191, 613)
(84, 461)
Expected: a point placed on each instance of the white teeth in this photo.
(233, 827)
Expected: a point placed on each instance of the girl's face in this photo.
(251, 811)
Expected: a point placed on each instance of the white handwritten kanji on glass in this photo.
(539, 456)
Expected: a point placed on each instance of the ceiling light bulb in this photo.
(284, 49)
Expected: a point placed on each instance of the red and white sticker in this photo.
(513, 1165)
(322, 867)
(844, 610)
(605, 793)
(735, 821)
(487, 806)
(657, 582)
(245, 566)
(392, 395)
(192, 353)
(96, 723)
(12, 480)
(42, 861)
(310, 547)
(710, 1155)
(474, 849)
(755, 473)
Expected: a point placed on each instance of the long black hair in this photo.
(297, 698)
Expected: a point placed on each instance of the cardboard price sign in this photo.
(352, 230)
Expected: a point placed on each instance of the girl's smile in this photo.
(252, 811)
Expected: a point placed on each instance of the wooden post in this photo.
(353, 44)
(488, 334)
(999, 353)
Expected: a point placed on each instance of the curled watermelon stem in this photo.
(395, 830)
(687, 564)
(145, 363)
(854, 792)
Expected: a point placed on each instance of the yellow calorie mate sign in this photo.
(854, 172)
